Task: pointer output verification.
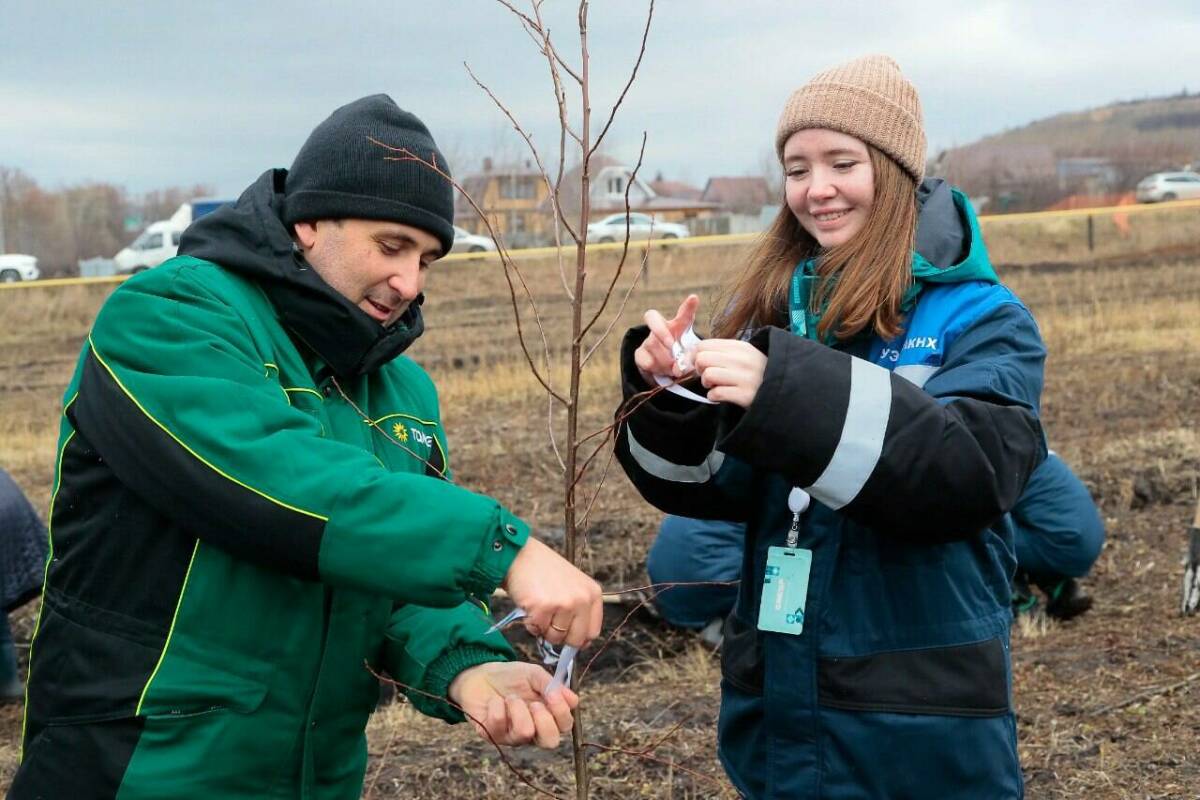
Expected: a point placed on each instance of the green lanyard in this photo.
(802, 321)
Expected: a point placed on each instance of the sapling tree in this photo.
(579, 140)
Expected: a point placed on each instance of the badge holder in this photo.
(785, 584)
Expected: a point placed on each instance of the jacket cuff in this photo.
(497, 553)
(442, 672)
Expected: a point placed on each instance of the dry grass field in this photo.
(1097, 715)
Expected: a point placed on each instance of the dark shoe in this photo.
(1024, 601)
(1067, 600)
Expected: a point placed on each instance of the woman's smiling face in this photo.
(829, 184)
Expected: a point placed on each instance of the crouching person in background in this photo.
(22, 565)
(253, 505)
(1058, 535)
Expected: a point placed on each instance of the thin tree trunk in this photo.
(570, 478)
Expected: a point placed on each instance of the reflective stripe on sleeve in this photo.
(659, 467)
(859, 448)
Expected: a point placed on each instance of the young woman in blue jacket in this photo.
(872, 412)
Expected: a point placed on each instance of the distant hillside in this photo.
(1102, 150)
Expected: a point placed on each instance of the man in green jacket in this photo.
(253, 506)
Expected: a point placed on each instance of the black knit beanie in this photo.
(340, 173)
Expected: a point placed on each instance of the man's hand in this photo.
(731, 370)
(654, 356)
(561, 603)
(507, 698)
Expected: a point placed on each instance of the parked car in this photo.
(1168, 186)
(641, 226)
(465, 242)
(16, 267)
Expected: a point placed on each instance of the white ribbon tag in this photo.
(682, 350)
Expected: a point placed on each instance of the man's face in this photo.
(379, 266)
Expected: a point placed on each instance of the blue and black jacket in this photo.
(912, 450)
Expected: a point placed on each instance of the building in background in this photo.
(744, 204)
(513, 197)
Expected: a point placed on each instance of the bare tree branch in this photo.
(550, 426)
(621, 309)
(665, 762)
(632, 76)
(587, 512)
(543, 33)
(525, 18)
(625, 248)
(564, 128)
(645, 595)
(537, 157)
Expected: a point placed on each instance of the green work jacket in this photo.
(239, 535)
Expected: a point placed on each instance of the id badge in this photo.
(785, 590)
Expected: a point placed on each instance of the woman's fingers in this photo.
(732, 370)
(685, 316)
(656, 356)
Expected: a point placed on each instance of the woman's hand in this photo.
(731, 370)
(654, 356)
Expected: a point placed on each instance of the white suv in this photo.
(1168, 186)
(16, 267)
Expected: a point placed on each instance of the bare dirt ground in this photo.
(1108, 705)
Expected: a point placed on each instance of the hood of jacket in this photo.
(949, 246)
(248, 237)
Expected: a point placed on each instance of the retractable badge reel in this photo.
(785, 583)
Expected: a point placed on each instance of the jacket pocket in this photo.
(92, 665)
(741, 656)
(969, 680)
(189, 689)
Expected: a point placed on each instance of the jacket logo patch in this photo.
(404, 432)
(921, 343)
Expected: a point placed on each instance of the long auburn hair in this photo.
(862, 281)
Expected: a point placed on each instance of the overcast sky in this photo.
(150, 94)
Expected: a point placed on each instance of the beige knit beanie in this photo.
(868, 99)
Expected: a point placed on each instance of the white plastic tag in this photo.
(682, 350)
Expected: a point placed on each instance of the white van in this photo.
(156, 244)
(160, 241)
